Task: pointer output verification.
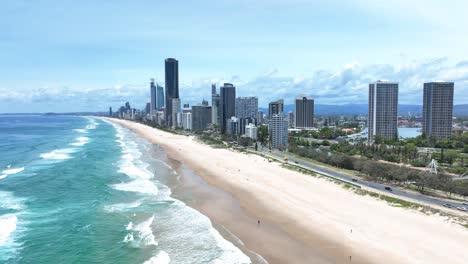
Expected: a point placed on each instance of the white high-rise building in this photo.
(187, 121)
(278, 129)
(251, 131)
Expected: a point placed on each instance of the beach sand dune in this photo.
(319, 221)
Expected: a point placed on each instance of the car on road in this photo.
(388, 188)
(461, 208)
(448, 205)
(296, 162)
(354, 180)
(465, 202)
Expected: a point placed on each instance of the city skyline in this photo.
(72, 63)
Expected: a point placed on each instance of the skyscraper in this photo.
(438, 109)
(278, 129)
(172, 86)
(110, 111)
(159, 97)
(247, 107)
(227, 104)
(275, 107)
(304, 116)
(153, 94)
(215, 108)
(383, 110)
(201, 116)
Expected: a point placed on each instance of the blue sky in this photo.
(88, 55)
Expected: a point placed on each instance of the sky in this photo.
(62, 56)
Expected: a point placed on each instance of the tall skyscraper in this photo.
(438, 109)
(215, 108)
(275, 107)
(154, 96)
(247, 107)
(278, 129)
(110, 111)
(159, 97)
(172, 86)
(383, 110)
(227, 104)
(304, 116)
(201, 116)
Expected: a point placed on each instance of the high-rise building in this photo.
(275, 107)
(304, 112)
(159, 97)
(215, 109)
(383, 110)
(243, 122)
(251, 131)
(438, 109)
(278, 129)
(201, 117)
(247, 107)
(148, 108)
(227, 104)
(291, 119)
(187, 120)
(110, 111)
(232, 126)
(172, 86)
(213, 88)
(154, 95)
(176, 118)
(260, 118)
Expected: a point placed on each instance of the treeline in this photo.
(379, 171)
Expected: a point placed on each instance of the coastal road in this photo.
(372, 185)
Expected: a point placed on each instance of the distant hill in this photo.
(357, 109)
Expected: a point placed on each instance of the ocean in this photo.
(82, 190)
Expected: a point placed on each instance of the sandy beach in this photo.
(305, 219)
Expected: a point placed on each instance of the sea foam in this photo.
(161, 258)
(7, 227)
(10, 171)
(80, 141)
(139, 186)
(141, 235)
(58, 154)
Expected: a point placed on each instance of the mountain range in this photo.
(358, 109)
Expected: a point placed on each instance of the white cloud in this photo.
(348, 85)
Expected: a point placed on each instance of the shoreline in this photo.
(329, 224)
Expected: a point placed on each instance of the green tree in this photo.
(262, 134)
(450, 156)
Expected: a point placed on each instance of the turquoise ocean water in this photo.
(81, 190)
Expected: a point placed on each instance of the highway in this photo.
(372, 185)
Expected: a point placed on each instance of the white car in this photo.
(461, 208)
(465, 202)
